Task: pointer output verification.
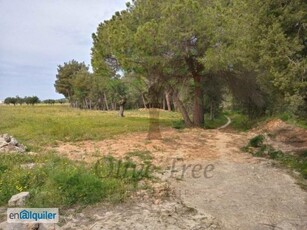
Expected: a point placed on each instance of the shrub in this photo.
(257, 141)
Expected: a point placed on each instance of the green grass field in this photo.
(41, 124)
(57, 180)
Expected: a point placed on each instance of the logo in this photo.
(33, 215)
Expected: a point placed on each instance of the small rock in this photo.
(21, 148)
(33, 226)
(10, 144)
(19, 199)
(13, 141)
(6, 137)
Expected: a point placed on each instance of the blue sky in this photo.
(38, 35)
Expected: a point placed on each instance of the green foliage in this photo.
(18, 100)
(66, 73)
(255, 49)
(10, 100)
(56, 181)
(256, 141)
(31, 100)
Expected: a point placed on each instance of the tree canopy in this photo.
(189, 55)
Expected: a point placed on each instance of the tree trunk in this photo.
(183, 110)
(168, 101)
(198, 110)
(90, 104)
(85, 104)
(163, 103)
(211, 111)
(144, 101)
(121, 110)
(176, 109)
(106, 100)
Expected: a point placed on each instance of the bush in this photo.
(256, 141)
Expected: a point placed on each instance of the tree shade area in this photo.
(196, 57)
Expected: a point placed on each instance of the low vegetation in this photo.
(57, 181)
(215, 123)
(288, 118)
(296, 162)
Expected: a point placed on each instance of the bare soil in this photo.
(285, 137)
(238, 192)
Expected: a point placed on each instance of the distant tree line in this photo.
(104, 91)
(31, 100)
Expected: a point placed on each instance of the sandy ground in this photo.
(211, 175)
(245, 193)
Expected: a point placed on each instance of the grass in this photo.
(56, 181)
(39, 125)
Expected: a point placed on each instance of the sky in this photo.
(38, 35)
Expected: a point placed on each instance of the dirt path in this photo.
(240, 191)
(245, 193)
(227, 123)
